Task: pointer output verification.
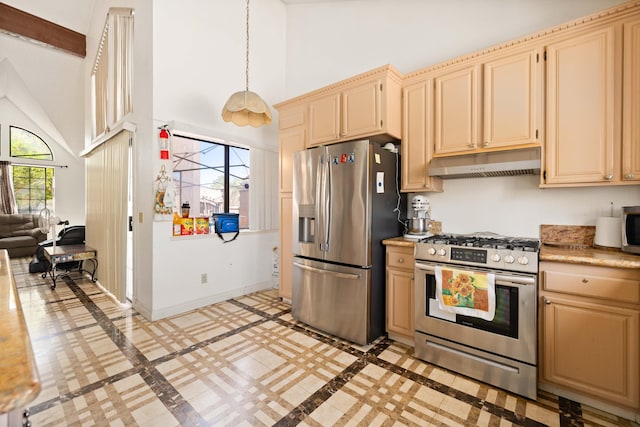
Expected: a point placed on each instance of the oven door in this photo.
(512, 332)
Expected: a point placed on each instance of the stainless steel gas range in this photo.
(502, 351)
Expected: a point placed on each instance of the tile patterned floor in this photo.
(244, 362)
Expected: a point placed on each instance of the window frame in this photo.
(30, 157)
(225, 169)
(48, 171)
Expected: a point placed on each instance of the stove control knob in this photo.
(509, 259)
(431, 251)
(442, 252)
(523, 260)
(495, 258)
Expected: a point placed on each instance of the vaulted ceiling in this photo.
(76, 14)
(72, 14)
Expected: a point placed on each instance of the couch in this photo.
(20, 234)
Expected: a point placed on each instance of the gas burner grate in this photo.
(482, 241)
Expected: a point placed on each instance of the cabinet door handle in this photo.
(400, 260)
(546, 301)
(608, 177)
(485, 144)
(585, 280)
(628, 176)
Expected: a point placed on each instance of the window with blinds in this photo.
(112, 75)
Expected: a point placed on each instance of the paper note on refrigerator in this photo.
(379, 182)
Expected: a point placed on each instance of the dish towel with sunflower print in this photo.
(466, 292)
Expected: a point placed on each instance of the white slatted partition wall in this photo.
(106, 228)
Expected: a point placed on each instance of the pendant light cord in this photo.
(246, 71)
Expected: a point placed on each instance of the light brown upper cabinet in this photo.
(491, 103)
(353, 112)
(417, 136)
(581, 98)
(631, 101)
(593, 100)
(293, 132)
(512, 98)
(325, 120)
(363, 106)
(457, 109)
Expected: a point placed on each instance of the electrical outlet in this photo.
(203, 278)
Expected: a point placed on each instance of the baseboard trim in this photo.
(627, 413)
(208, 300)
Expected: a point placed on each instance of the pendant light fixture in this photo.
(245, 107)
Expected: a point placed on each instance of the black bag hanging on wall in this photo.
(226, 223)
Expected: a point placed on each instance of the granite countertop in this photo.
(591, 256)
(19, 380)
(435, 227)
(574, 244)
(562, 243)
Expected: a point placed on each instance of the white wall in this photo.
(232, 269)
(51, 78)
(515, 206)
(188, 59)
(198, 62)
(330, 41)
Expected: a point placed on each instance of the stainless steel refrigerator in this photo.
(345, 198)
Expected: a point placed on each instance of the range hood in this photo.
(525, 161)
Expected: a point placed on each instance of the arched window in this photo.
(32, 184)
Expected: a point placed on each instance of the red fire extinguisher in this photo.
(164, 143)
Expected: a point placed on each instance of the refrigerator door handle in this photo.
(333, 273)
(328, 190)
(319, 203)
(323, 200)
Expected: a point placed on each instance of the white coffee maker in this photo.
(419, 225)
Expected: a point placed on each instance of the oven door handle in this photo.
(502, 279)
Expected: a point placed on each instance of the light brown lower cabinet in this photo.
(400, 300)
(286, 250)
(590, 331)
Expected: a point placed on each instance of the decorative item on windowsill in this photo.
(226, 223)
(164, 194)
(246, 107)
(185, 209)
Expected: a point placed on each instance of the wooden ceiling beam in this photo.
(22, 24)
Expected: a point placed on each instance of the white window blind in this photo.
(111, 79)
(107, 221)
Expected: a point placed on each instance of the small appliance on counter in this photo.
(630, 228)
(419, 226)
(608, 232)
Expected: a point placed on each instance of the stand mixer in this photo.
(418, 226)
